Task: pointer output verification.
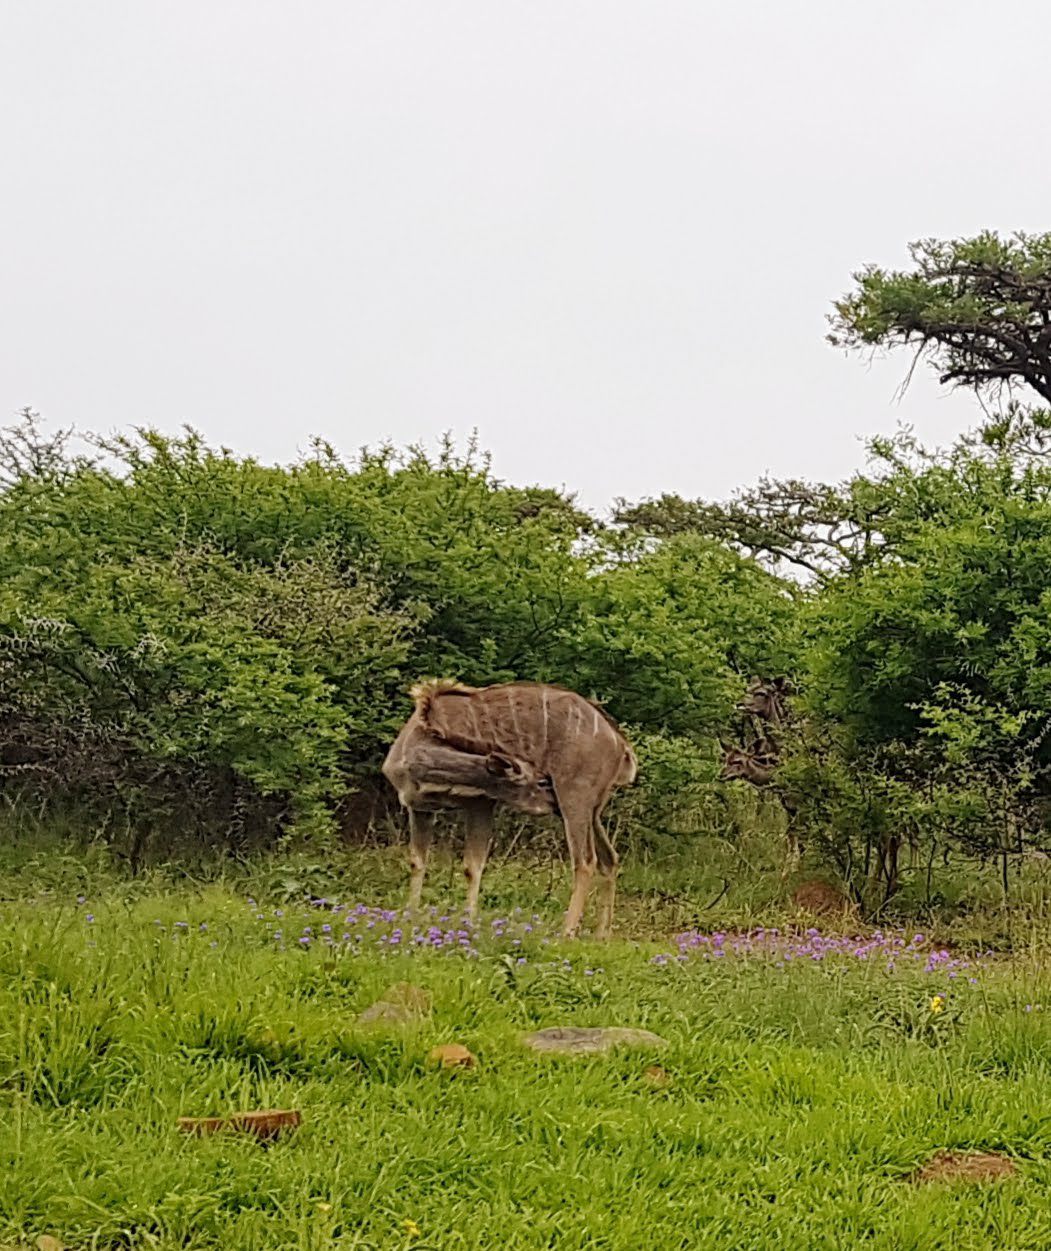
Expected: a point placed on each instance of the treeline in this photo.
(189, 638)
(193, 641)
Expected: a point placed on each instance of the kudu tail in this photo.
(424, 694)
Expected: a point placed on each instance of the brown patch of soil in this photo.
(265, 1125)
(821, 898)
(967, 1166)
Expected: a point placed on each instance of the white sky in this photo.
(605, 233)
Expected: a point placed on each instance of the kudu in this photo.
(535, 748)
(757, 763)
(758, 766)
(765, 699)
(764, 709)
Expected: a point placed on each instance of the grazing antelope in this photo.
(764, 702)
(538, 749)
(757, 765)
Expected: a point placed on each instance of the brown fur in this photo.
(498, 735)
(765, 699)
(425, 693)
(534, 747)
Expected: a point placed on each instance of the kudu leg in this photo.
(794, 850)
(476, 849)
(608, 860)
(884, 874)
(893, 848)
(421, 833)
(581, 839)
(793, 854)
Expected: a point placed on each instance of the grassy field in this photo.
(805, 1075)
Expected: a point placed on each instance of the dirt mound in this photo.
(967, 1166)
(821, 899)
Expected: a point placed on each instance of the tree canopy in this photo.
(979, 310)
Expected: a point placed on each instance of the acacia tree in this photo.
(978, 310)
(818, 530)
(941, 653)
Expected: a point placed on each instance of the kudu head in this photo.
(520, 785)
(748, 765)
(765, 699)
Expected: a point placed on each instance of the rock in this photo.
(572, 1040)
(965, 1166)
(381, 1010)
(452, 1056)
(656, 1077)
(399, 1004)
(46, 1243)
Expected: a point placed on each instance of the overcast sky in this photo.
(605, 233)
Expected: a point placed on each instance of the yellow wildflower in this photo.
(324, 1207)
(938, 1004)
(411, 1228)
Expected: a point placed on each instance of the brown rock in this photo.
(572, 1040)
(965, 1166)
(452, 1056)
(46, 1243)
(656, 1077)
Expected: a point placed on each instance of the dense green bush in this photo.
(667, 634)
(188, 638)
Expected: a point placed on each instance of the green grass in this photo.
(800, 1096)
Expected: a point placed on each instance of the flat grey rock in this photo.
(573, 1040)
(381, 1011)
(400, 1004)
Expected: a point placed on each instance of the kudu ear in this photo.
(502, 766)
